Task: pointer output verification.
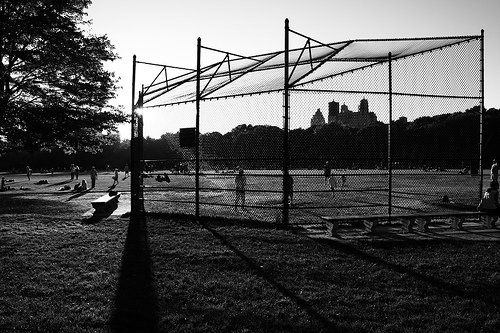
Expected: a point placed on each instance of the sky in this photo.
(166, 32)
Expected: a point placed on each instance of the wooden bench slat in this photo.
(409, 220)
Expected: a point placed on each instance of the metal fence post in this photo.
(285, 128)
(481, 116)
(389, 159)
(197, 134)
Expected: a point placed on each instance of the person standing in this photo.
(93, 176)
(28, 172)
(77, 170)
(126, 171)
(333, 183)
(494, 171)
(290, 188)
(327, 171)
(72, 171)
(115, 177)
(241, 183)
(343, 180)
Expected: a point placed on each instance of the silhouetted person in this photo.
(115, 178)
(327, 171)
(494, 171)
(333, 183)
(93, 176)
(72, 170)
(490, 199)
(290, 188)
(241, 183)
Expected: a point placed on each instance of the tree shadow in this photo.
(136, 303)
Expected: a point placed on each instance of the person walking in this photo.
(241, 183)
(93, 176)
(115, 177)
(28, 172)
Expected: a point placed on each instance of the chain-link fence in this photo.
(400, 132)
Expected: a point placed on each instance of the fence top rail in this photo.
(235, 75)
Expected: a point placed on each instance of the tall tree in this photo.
(54, 90)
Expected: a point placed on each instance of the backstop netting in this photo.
(372, 126)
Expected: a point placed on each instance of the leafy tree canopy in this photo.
(54, 90)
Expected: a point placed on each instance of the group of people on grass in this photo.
(241, 182)
(93, 178)
(331, 180)
(74, 173)
(83, 186)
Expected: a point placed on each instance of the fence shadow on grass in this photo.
(302, 303)
(435, 282)
(136, 303)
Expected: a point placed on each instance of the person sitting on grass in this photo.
(489, 202)
(81, 187)
(3, 187)
(163, 178)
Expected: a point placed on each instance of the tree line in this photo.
(447, 138)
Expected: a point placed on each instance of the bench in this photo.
(408, 221)
(101, 204)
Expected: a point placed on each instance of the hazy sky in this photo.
(166, 31)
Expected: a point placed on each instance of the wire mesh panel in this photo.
(241, 166)
(399, 136)
(435, 148)
(237, 135)
(339, 157)
(374, 126)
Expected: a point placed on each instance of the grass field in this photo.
(366, 192)
(63, 272)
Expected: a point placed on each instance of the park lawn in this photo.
(61, 272)
(169, 274)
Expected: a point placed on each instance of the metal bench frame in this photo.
(408, 221)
